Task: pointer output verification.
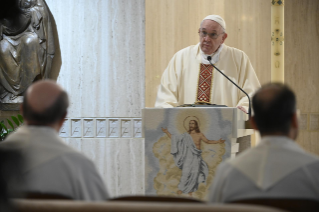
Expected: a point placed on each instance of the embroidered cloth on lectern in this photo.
(205, 80)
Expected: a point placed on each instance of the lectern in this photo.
(183, 147)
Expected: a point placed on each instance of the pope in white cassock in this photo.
(189, 77)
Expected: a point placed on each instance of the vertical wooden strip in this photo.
(277, 41)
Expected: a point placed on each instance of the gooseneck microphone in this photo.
(209, 58)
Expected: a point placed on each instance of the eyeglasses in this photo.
(211, 35)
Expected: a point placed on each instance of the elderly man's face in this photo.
(208, 44)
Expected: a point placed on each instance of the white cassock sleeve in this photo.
(247, 80)
(167, 95)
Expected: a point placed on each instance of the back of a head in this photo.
(44, 103)
(274, 105)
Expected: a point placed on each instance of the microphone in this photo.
(209, 58)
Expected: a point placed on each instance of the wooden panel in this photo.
(301, 65)
(173, 24)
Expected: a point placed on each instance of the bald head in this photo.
(274, 105)
(42, 95)
(45, 102)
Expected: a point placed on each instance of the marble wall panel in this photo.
(76, 128)
(137, 128)
(119, 161)
(65, 129)
(102, 47)
(113, 128)
(116, 150)
(88, 128)
(101, 128)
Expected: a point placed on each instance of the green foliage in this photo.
(4, 131)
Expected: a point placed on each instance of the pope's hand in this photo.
(242, 109)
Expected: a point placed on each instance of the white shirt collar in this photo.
(215, 55)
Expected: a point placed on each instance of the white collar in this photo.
(215, 55)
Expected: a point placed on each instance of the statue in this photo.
(27, 48)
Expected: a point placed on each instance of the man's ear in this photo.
(294, 126)
(295, 121)
(62, 120)
(253, 123)
(224, 37)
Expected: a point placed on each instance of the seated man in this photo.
(277, 167)
(52, 167)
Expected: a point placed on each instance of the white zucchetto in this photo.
(216, 18)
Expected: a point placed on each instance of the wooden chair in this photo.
(23, 205)
(293, 205)
(45, 196)
(155, 199)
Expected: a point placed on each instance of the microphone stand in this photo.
(209, 58)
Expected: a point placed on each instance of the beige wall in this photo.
(173, 24)
(302, 66)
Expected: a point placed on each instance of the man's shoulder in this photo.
(16, 139)
(72, 158)
(33, 140)
(77, 158)
(226, 165)
(21, 131)
(293, 153)
(243, 157)
(33, 135)
(233, 50)
(72, 154)
(187, 50)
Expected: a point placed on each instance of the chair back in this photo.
(293, 205)
(45, 196)
(129, 206)
(155, 199)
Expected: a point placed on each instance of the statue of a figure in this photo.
(26, 46)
